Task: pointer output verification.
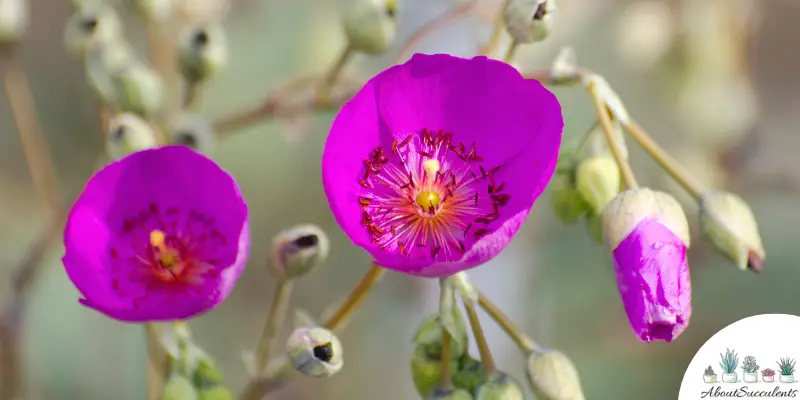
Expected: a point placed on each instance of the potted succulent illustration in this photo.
(786, 366)
(768, 375)
(750, 369)
(709, 376)
(729, 362)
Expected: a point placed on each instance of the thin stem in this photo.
(191, 95)
(445, 379)
(523, 341)
(325, 89)
(666, 161)
(512, 50)
(355, 298)
(161, 54)
(601, 111)
(450, 16)
(275, 320)
(480, 338)
(497, 33)
(157, 362)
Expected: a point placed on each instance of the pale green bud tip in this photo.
(529, 21)
(14, 19)
(630, 207)
(553, 376)
(299, 250)
(729, 223)
(598, 181)
(370, 25)
(429, 336)
(91, 23)
(499, 386)
(193, 131)
(127, 133)
(426, 372)
(202, 51)
(179, 387)
(138, 89)
(315, 352)
(450, 394)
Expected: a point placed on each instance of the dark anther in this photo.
(186, 139)
(323, 352)
(306, 241)
(541, 11)
(89, 24)
(201, 38)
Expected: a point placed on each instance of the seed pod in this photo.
(425, 372)
(138, 89)
(299, 250)
(202, 51)
(193, 131)
(370, 25)
(315, 352)
(14, 20)
(102, 59)
(429, 336)
(209, 381)
(729, 223)
(91, 23)
(469, 375)
(499, 386)
(127, 133)
(450, 394)
(553, 376)
(598, 181)
(529, 21)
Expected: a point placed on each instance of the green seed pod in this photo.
(598, 181)
(91, 23)
(450, 394)
(202, 51)
(499, 386)
(193, 131)
(370, 25)
(729, 223)
(138, 89)
(102, 59)
(529, 21)
(315, 352)
(179, 387)
(127, 133)
(14, 20)
(299, 250)
(429, 336)
(553, 376)
(425, 372)
(469, 375)
(567, 203)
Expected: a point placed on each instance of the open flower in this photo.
(161, 234)
(433, 166)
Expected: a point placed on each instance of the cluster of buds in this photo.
(191, 373)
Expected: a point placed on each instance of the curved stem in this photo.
(512, 50)
(191, 95)
(275, 320)
(355, 298)
(452, 15)
(157, 362)
(497, 33)
(480, 338)
(519, 337)
(601, 111)
(324, 91)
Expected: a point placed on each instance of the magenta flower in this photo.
(648, 234)
(161, 234)
(433, 166)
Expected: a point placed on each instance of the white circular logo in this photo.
(755, 358)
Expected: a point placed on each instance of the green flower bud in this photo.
(598, 181)
(594, 224)
(529, 21)
(193, 131)
(450, 394)
(102, 59)
(127, 133)
(632, 206)
(14, 20)
(426, 372)
(429, 336)
(91, 23)
(138, 89)
(469, 375)
(553, 376)
(215, 393)
(202, 51)
(179, 387)
(729, 223)
(315, 352)
(156, 10)
(499, 386)
(207, 373)
(567, 203)
(298, 250)
(370, 25)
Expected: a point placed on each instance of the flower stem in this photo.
(452, 15)
(494, 38)
(445, 379)
(324, 91)
(604, 118)
(157, 362)
(666, 161)
(511, 51)
(191, 95)
(480, 338)
(355, 298)
(275, 320)
(519, 337)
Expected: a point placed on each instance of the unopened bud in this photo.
(202, 51)
(429, 336)
(598, 181)
(729, 223)
(450, 394)
(315, 352)
(298, 250)
(179, 387)
(529, 21)
(553, 376)
(567, 203)
(14, 20)
(128, 133)
(594, 224)
(138, 89)
(102, 59)
(426, 372)
(90, 24)
(499, 386)
(469, 375)
(215, 393)
(597, 143)
(370, 25)
(193, 131)
(209, 381)
(156, 10)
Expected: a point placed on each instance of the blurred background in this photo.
(715, 81)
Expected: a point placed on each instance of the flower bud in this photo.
(138, 89)
(598, 181)
(215, 393)
(315, 352)
(202, 51)
(529, 21)
(553, 376)
(91, 23)
(298, 250)
(127, 133)
(426, 372)
(597, 144)
(193, 131)
(567, 203)
(450, 394)
(102, 59)
(179, 387)
(156, 10)
(370, 25)
(469, 375)
(499, 386)
(648, 235)
(729, 223)
(14, 20)
(594, 224)
(209, 381)
(429, 336)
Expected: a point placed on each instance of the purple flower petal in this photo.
(182, 197)
(494, 137)
(653, 280)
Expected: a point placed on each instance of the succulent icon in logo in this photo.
(768, 375)
(709, 376)
(750, 368)
(786, 366)
(728, 362)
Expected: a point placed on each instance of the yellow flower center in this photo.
(428, 198)
(166, 256)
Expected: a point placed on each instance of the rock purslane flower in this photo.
(161, 234)
(433, 166)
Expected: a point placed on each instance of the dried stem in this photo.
(523, 341)
(452, 15)
(355, 298)
(275, 320)
(480, 338)
(614, 144)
